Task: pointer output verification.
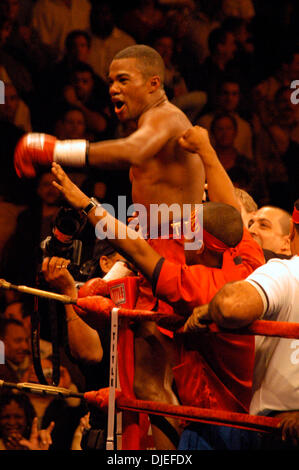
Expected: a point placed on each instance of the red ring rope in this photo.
(189, 413)
(258, 327)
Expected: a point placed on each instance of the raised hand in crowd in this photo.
(38, 440)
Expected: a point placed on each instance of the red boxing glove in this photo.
(31, 150)
(96, 286)
(94, 310)
(36, 149)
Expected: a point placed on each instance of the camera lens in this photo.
(68, 222)
(68, 225)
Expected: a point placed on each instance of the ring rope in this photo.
(258, 327)
(191, 413)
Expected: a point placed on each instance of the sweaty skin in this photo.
(161, 171)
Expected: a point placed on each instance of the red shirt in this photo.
(218, 374)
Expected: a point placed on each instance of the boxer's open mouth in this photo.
(118, 106)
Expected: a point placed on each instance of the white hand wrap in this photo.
(118, 270)
(70, 152)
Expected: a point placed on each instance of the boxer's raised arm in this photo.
(34, 149)
(135, 149)
(220, 187)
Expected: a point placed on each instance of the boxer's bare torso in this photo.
(160, 170)
(171, 175)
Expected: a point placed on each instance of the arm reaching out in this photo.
(132, 245)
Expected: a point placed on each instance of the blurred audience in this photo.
(15, 110)
(54, 19)
(18, 424)
(218, 64)
(17, 350)
(141, 18)
(106, 38)
(90, 95)
(12, 70)
(72, 125)
(175, 86)
(21, 255)
(23, 43)
(239, 8)
(241, 170)
(64, 412)
(228, 101)
(57, 74)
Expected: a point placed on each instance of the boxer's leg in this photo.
(155, 355)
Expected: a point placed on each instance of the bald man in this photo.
(270, 227)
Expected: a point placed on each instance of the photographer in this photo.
(86, 346)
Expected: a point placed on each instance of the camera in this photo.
(63, 242)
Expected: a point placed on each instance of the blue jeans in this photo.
(202, 436)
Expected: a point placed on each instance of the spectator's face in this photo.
(16, 344)
(12, 9)
(14, 310)
(5, 32)
(164, 46)
(242, 34)
(128, 89)
(102, 20)
(74, 125)
(265, 227)
(285, 108)
(12, 420)
(230, 97)
(80, 49)
(10, 106)
(83, 84)
(224, 132)
(228, 48)
(46, 191)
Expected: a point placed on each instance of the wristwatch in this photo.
(92, 203)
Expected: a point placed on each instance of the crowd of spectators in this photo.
(229, 67)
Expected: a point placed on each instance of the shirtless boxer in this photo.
(161, 171)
